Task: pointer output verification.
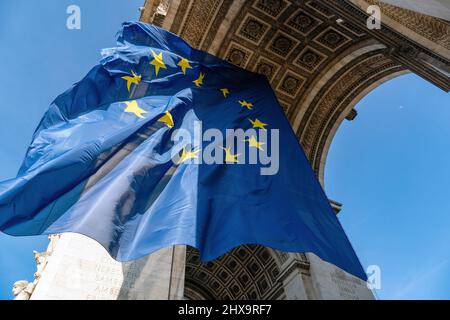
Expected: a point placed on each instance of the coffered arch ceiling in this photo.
(318, 55)
(249, 272)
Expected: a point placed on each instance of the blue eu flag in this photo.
(161, 144)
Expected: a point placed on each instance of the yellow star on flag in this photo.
(186, 155)
(167, 119)
(158, 62)
(255, 143)
(199, 81)
(258, 124)
(229, 157)
(133, 107)
(246, 104)
(225, 92)
(135, 79)
(184, 64)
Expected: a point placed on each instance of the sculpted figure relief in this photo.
(22, 290)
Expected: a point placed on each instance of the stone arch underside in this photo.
(321, 60)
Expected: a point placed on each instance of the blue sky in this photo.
(389, 167)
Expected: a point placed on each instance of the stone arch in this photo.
(327, 73)
(327, 139)
(333, 95)
(247, 272)
(320, 59)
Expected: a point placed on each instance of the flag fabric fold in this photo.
(109, 160)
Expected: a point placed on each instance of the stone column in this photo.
(79, 269)
(436, 8)
(331, 283)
